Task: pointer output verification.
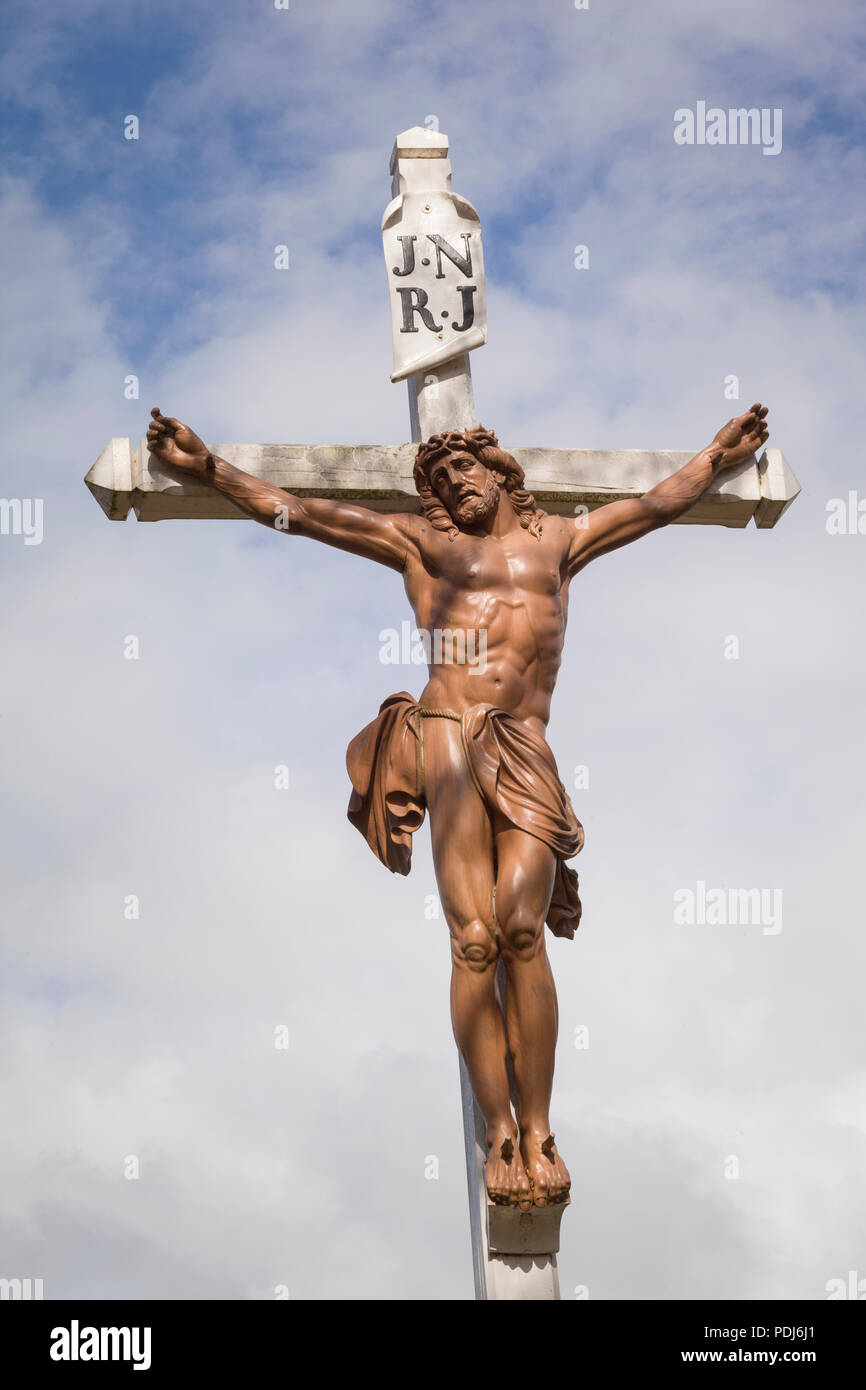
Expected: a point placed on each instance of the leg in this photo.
(463, 859)
(524, 884)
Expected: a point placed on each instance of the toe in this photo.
(541, 1191)
(524, 1194)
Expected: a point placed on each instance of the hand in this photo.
(740, 438)
(173, 443)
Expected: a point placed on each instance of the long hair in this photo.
(484, 445)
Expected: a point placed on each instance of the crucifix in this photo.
(487, 542)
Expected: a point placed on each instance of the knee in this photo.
(522, 932)
(474, 945)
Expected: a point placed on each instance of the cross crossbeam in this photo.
(127, 479)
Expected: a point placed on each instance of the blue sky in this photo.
(155, 257)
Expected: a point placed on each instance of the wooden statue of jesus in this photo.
(481, 559)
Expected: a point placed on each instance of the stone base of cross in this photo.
(433, 256)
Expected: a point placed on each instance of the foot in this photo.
(547, 1174)
(507, 1183)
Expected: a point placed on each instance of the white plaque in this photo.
(432, 243)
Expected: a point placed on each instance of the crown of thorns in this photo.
(476, 440)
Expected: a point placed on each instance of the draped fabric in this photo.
(511, 765)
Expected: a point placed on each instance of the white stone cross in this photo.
(432, 243)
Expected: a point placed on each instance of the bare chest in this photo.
(505, 566)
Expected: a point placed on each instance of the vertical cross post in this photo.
(433, 257)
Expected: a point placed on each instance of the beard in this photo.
(473, 510)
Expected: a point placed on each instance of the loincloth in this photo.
(512, 767)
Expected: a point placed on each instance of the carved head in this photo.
(460, 477)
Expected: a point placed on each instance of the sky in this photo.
(158, 1143)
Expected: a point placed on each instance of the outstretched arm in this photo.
(617, 523)
(373, 535)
